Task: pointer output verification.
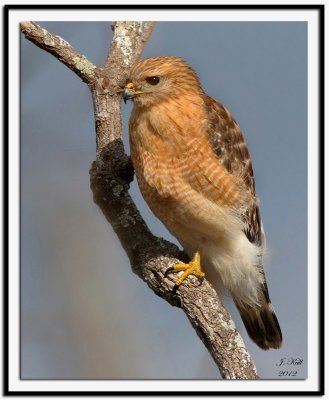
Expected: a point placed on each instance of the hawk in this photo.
(194, 170)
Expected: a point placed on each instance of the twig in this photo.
(111, 175)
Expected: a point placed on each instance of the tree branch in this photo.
(129, 41)
(61, 49)
(111, 175)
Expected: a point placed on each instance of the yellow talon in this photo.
(192, 268)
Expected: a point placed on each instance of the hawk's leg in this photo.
(192, 268)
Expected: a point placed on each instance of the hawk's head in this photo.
(155, 79)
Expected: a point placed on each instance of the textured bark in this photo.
(61, 49)
(111, 174)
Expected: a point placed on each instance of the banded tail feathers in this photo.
(261, 322)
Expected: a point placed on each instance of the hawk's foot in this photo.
(192, 268)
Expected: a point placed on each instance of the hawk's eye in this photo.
(153, 80)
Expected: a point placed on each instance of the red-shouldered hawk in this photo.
(194, 171)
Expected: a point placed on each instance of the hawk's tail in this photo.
(261, 322)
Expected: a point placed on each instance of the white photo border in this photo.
(314, 15)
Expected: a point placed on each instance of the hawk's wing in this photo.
(231, 149)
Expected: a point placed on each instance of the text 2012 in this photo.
(287, 373)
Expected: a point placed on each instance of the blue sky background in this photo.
(84, 314)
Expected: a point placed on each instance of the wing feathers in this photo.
(228, 144)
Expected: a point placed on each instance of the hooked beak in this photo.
(127, 94)
(130, 91)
